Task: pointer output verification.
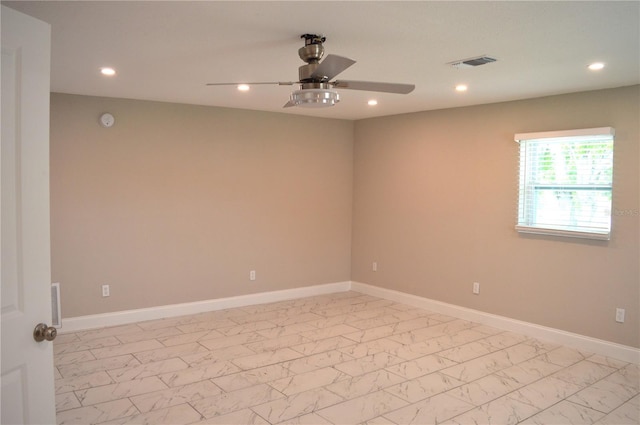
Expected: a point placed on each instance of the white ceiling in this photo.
(168, 51)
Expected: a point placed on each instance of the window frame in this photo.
(525, 187)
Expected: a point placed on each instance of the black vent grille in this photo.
(472, 62)
(478, 61)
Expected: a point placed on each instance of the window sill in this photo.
(602, 236)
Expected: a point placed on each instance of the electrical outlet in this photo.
(476, 288)
(374, 266)
(620, 315)
(252, 275)
(106, 291)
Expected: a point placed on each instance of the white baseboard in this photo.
(74, 324)
(580, 342)
(577, 341)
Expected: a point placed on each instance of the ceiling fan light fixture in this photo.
(314, 98)
(317, 90)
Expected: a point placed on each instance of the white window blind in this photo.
(566, 183)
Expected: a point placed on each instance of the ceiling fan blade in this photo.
(331, 66)
(280, 83)
(374, 86)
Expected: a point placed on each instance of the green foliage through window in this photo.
(566, 184)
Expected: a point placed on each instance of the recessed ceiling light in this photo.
(372, 102)
(243, 87)
(461, 87)
(596, 66)
(108, 71)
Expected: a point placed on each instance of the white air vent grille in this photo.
(56, 316)
(472, 62)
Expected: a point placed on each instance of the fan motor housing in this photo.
(305, 72)
(311, 53)
(315, 85)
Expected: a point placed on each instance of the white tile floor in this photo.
(343, 358)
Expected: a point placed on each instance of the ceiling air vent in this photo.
(472, 62)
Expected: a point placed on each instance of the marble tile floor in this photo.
(343, 358)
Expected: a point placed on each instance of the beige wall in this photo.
(435, 206)
(178, 203)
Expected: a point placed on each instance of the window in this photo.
(565, 183)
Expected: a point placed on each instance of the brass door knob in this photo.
(42, 332)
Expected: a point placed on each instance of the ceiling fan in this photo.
(316, 87)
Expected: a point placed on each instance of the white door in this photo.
(27, 366)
